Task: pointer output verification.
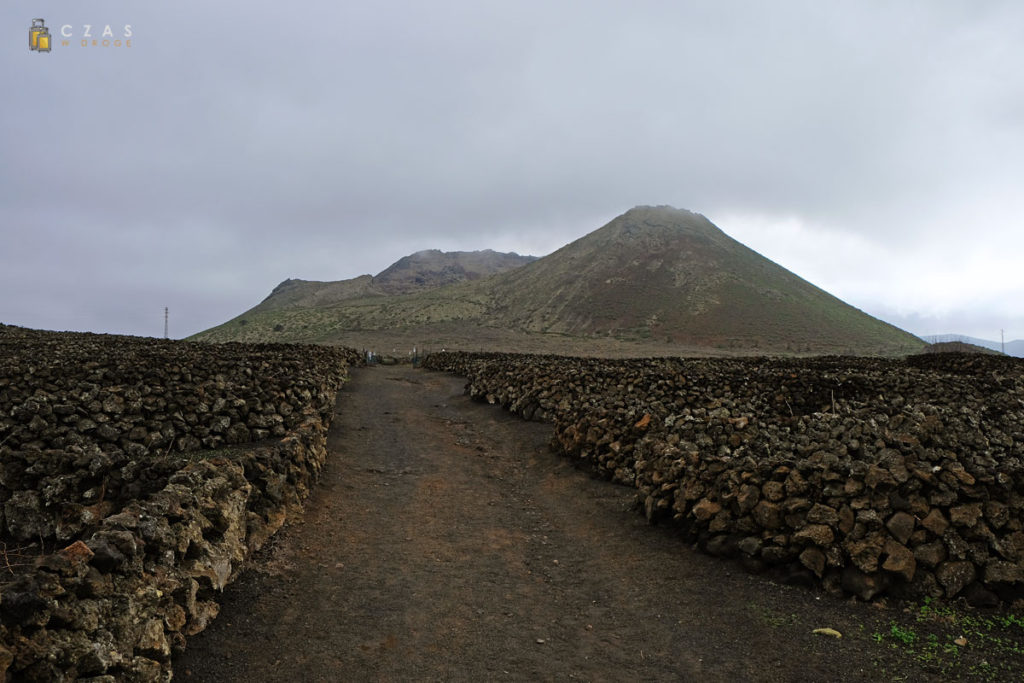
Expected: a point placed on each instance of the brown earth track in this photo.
(446, 542)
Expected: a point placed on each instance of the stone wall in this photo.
(138, 526)
(866, 476)
(135, 394)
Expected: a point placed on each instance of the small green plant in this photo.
(932, 611)
(907, 636)
(1009, 620)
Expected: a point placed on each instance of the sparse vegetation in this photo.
(956, 642)
(931, 639)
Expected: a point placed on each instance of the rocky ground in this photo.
(446, 542)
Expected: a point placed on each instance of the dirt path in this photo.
(446, 542)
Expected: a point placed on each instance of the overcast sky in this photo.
(873, 148)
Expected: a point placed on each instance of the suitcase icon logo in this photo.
(39, 36)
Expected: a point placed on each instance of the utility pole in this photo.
(165, 322)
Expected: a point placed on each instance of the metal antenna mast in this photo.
(165, 322)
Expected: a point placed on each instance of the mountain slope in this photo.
(656, 276)
(664, 271)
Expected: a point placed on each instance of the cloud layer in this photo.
(874, 149)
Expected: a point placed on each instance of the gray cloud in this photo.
(231, 147)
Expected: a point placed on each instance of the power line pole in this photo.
(165, 322)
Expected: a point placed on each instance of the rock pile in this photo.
(867, 476)
(99, 462)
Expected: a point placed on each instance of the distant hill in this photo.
(417, 272)
(655, 279)
(959, 347)
(1013, 348)
(429, 269)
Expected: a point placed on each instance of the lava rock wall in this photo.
(137, 528)
(866, 476)
(90, 421)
